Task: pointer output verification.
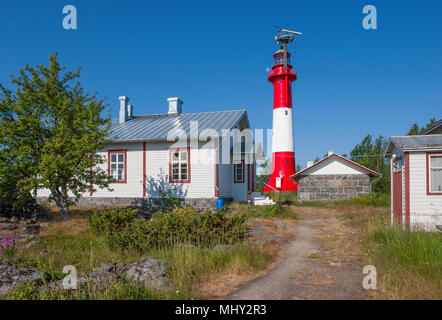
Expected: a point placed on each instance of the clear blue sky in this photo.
(214, 55)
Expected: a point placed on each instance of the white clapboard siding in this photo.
(335, 166)
(202, 171)
(239, 190)
(225, 181)
(424, 209)
(133, 187)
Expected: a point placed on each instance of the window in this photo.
(435, 173)
(117, 165)
(238, 171)
(179, 167)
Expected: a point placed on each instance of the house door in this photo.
(397, 191)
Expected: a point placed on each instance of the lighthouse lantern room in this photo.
(281, 76)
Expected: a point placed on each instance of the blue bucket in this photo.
(219, 203)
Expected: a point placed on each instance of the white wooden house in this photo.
(191, 154)
(416, 180)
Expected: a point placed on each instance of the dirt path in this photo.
(323, 261)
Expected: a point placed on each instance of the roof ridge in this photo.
(175, 114)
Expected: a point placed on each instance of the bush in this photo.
(181, 225)
(111, 220)
(278, 210)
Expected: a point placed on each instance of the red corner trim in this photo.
(144, 169)
(407, 189)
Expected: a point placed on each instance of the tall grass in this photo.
(119, 290)
(419, 251)
(409, 263)
(370, 200)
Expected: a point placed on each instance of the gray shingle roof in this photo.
(417, 142)
(157, 127)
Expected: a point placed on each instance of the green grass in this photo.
(278, 210)
(118, 290)
(418, 251)
(72, 243)
(371, 200)
(408, 263)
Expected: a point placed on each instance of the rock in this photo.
(11, 276)
(30, 229)
(44, 224)
(255, 228)
(13, 219)
(106, 273)
(151, 272)
(8, 226)
(280, 225)
(270, 237)
(30, 244)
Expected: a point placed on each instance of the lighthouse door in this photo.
(397, 191)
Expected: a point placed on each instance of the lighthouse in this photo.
(283, 154)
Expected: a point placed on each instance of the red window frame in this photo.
(429, 192)
(234, 172)
(188, 165)
(123, 151)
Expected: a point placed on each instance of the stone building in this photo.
(333, 178)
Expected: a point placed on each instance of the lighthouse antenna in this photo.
(283, 38)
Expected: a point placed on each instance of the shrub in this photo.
(109, 221)
(268, 211)
(181, 225)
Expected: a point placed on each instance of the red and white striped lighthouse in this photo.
(283, 154)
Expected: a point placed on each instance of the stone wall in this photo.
(201, 203)
(332, 187)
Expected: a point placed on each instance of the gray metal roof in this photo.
(157, 127)
(417, 142)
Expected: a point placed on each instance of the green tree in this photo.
(415, 129)
(51, 130)
(370, 154)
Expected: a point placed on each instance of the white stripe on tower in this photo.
(282, 140)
